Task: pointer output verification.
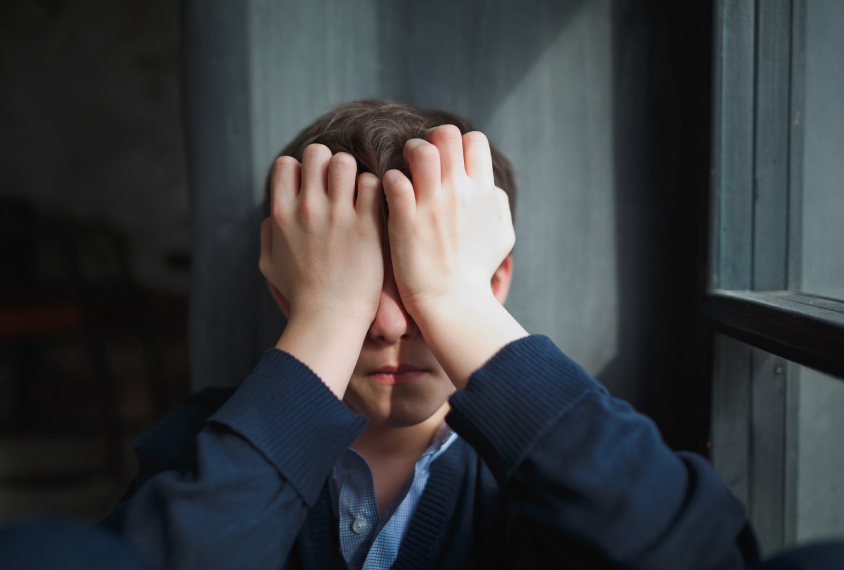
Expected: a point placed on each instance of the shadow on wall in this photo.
(661, 77)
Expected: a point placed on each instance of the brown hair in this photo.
(374, 132)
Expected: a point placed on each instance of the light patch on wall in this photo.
(556, 126)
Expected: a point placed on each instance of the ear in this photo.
(280, 299)
(502, 278)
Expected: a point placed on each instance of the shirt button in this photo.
(360, 525)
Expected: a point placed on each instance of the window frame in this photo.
(756, 187)
(763, 326)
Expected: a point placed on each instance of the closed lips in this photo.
(396, 374)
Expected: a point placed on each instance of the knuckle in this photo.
(277, 210)
(424, 152)
(476, 137)
(284, 161)
(447, 132)
(315, 151)
(283, 164)
(368, 181)
(307, 212)
(343, 160)
(395, 179)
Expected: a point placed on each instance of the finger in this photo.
(342, 168)
(478, 158)
(285, 178)
(401, 198)
(315, 159)
(423, 159)
(448, 141)
(369, 195)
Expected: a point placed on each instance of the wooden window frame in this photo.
(763, 324)
(757, 179)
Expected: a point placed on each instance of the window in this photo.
(776, 294)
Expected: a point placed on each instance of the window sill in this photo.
(806, 329)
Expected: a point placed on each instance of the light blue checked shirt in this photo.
(369, 541)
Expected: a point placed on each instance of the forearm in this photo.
(464, 333)
(232, 511)
(582, 464)
(259, 463)
(328, 344)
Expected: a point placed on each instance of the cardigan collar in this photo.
(318, 542)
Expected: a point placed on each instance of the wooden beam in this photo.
(808, 330)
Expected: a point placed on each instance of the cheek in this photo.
(365, 397)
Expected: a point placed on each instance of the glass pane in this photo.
(823, 162)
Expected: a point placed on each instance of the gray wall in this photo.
(536, 77)
(602, 106)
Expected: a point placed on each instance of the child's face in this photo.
(397, 382)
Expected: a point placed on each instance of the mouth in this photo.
(400, 374)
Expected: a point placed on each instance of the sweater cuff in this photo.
(513, 399)
(293, 419)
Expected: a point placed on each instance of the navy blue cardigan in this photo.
(549, 471)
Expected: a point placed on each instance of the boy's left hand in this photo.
(449, 230)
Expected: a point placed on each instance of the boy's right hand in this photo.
(322, 249)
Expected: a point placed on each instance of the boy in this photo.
(400, 317)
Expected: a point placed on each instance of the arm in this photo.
(584, 466)
(580, 465)
(263, 458)
(260, 463)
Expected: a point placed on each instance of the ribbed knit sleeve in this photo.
(233, 491)
(293, 419)
(509, 402)
(587, 469)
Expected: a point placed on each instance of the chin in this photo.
(397, 406)
(404, 418)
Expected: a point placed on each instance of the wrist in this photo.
(464, 331)
(336, 310)
(445, 307)
(328, 344)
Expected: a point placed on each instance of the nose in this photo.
(392, 322)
